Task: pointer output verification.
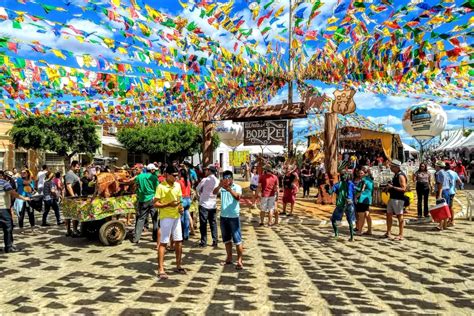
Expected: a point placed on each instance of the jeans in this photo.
(31, 215)
(230, 230)
(145, 208)
(423, 192)
(6, 223)
(53, 203)
(205, 215)
(186, 203)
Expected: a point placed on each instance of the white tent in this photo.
(452, 139)
(410, 149)
(468, 142)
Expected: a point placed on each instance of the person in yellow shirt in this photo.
(168, 201)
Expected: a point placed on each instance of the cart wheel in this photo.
(112, 233)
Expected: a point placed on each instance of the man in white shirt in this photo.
(208, 205)
(41, 178)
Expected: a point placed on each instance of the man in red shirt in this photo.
(268, 187)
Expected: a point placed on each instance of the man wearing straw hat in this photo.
(396, 204)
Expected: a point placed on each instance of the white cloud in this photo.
(29, 33)
(386, 120)
(456, 114)
(282, 95)
(367, 101)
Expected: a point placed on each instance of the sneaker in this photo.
(202, 245)
(45, 224)
(214, 244)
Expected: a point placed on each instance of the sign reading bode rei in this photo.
(265, 133)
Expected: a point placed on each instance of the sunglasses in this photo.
(227, 177)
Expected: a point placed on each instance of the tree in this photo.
(171, 140)
(65, 136)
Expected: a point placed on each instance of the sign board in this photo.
(265, 133)
(237, 158)
(344, 102)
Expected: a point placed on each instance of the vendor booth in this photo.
(355, 139)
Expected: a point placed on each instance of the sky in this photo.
(381, 109)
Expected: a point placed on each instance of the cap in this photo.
(440, 163)
(212, 168)
(396, 163)
(151, 167)
(267, 167)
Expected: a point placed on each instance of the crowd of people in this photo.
(171, 195)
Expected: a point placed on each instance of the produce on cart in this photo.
(100, 215)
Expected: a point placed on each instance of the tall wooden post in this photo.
(207, 149)
(330, 144)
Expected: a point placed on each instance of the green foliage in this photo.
(173, 140)
(65, 136)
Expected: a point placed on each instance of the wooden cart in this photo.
(100, 216)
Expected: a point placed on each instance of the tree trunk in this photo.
(207, 149)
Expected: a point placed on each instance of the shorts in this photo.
(340, 211)
(253, 187)
(451, 200)
(268, 204)
(170, 227)
(230, 230)
(289, 195)
(395, 207)
(362, 207)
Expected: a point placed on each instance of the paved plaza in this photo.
(289, 269)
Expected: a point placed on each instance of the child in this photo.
(345, 193)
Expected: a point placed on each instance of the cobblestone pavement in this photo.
(289, 269)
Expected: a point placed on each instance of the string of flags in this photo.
(156, 66)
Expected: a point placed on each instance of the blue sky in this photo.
(381, 109)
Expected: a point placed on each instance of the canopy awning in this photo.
(111, 141)
(408, 148)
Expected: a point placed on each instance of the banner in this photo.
(265, 133)
(236, 158)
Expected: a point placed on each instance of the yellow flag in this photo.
(279, 11)
(122, 50)
(58, 53)
(332, 20)
(227, 7)
(116, 3)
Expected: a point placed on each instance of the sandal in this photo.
(163, 276)
(239, 266)
(225, 263)
(386, 236)
(437, 229)
(367, 234)
(168, 248)
(180, 270)
(398, 238)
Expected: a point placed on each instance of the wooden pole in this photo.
(290, 82)
(207, 149)
(330, 144)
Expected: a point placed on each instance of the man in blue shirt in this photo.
(452, 190)
(443, 183)
(230, 221)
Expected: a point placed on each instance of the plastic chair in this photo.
(470, 205)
